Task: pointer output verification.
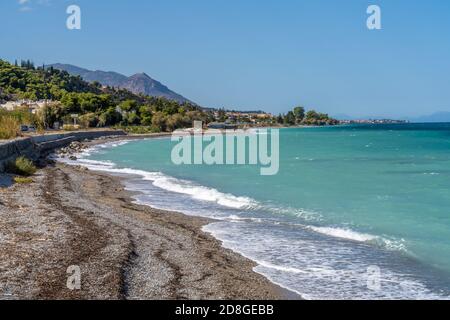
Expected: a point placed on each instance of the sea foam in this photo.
(344, 234)
(172, 184)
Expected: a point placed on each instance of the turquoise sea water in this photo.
(347, 202)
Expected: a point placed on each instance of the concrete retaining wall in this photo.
(38, 146)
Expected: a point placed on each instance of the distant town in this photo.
(373, 121)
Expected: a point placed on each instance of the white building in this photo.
(33, 106)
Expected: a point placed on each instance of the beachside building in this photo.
(33, 106)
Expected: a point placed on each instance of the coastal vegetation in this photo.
(9, 126)
(10, 121)
(22, 180)
(22, 167)
(91, 104)
(299, 116)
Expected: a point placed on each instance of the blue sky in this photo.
(253, 54)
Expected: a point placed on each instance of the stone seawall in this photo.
(39, 146)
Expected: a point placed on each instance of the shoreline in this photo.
(114, 239)
(281, 292)
(284, 293)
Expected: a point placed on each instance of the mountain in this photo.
(441, 116)
(142, 83)
(138, 83)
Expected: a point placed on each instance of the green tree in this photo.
(109, 117)
(299, 113)
(222, 116)
(128, 105)
(88, 120)
(280, 119)
(289, 119)
(159, 121)
(71, 103)
(132, 118)
(146, 115)
(175, 121)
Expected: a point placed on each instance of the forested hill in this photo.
(28, 82)
(96, 106)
